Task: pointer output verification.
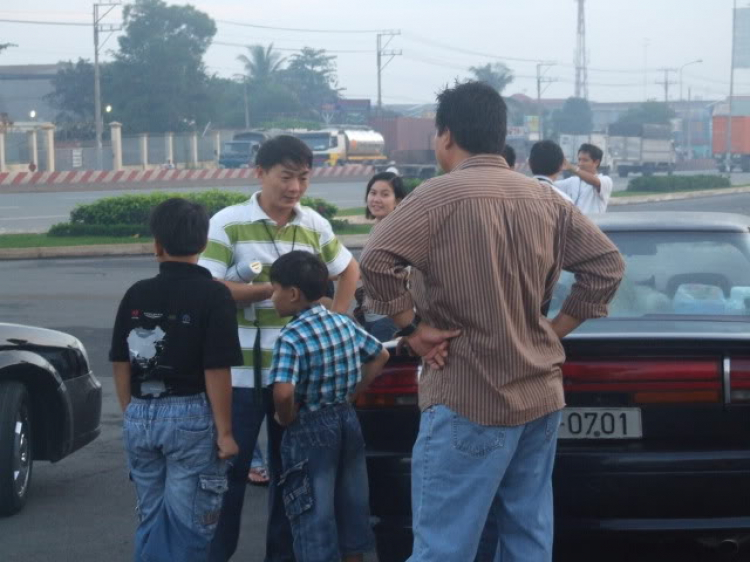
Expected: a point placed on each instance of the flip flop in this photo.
(258, 476)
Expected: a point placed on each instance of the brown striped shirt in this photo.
(488, 245)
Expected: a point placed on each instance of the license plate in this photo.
(601, 423)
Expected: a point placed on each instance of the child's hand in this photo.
(227, 447)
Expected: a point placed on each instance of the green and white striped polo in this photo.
(245, 233)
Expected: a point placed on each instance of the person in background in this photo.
(546, 161)
(509, 154)
(383, 194)
(589, 190)
(321, 362)
(258, 474)
(174, 341)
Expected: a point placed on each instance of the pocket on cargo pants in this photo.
(297, 491)
(207, 504)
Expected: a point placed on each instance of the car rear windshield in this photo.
(678, 274)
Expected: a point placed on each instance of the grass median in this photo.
(44, 240)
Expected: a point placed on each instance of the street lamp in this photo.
(32, 114)
(108, 109)
(681, 69)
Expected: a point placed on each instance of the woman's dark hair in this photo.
(284, 149)
(394, 180)
(476, 116)
(302, 270)
(180, 226)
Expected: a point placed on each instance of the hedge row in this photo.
(666, 184)
(127, 215)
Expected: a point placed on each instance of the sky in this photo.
(628, 41)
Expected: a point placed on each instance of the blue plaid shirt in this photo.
(321, 353)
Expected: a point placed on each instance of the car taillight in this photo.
(396, 386)
(649, 381)
(739, 372)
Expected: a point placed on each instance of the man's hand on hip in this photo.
(431, 344)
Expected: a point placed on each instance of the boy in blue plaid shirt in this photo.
(321, 361)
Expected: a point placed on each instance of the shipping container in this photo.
(740, 142)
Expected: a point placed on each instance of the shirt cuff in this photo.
(390, 308)
(583, 310)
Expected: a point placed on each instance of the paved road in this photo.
(81, 509)
(36, 212)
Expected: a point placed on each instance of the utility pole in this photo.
(690, 124)
(582, 78)
(101, 10)
(540, 79)
(731, 91)
(667, 82)
(247, 105)
(382, 53)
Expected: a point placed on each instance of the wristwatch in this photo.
(406, 331)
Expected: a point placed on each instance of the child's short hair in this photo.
(180, 226)
(302, 270)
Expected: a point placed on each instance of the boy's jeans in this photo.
(247, 417)
(179, 479)
(325, 485)
(459, 468)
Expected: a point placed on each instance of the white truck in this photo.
(645, 148)
(339, 146)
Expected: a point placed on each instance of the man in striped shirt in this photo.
(270, 224)
(487, 246)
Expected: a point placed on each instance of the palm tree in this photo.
(262, 64)
(496, 75)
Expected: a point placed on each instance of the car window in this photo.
(677, 274)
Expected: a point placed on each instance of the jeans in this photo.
(460, 469)
(383, 329)
(178, 476)
(257, 460)
(325, 485)
(247, 418)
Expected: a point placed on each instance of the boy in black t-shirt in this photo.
(174, 341)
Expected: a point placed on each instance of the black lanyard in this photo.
(257, 349)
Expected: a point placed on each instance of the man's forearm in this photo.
(346, 287)
(121, 373)
(247, 294)
(219, 391)
(589, 178)
(563, 324)
(285, 409)
(403, 318)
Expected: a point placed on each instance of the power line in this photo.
(297, 29)
(38, 22)
(289, 49)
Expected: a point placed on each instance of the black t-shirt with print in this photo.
(174, 326)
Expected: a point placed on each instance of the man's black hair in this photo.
(180, 226)
(594, 152)
(394, 180)
(546, 158)
(302, 270)
(476, 116)
(286, 150)
(509, 153)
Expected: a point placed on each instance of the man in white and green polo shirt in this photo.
(270, 224)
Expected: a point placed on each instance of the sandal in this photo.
(258, 476)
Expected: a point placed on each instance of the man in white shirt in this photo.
(589, 190)
(546, 161)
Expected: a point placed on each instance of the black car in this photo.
(655, 438)
(50, 405)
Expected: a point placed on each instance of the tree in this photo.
(311, 75)
(262, 65)
(497, 75)
(648, 113)
(159, 81)
(575, 118)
